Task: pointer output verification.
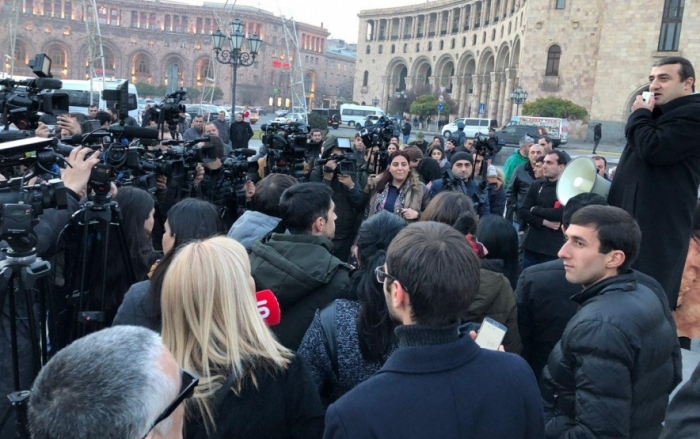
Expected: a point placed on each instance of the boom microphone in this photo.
(268, 307)
(134, 132)
(248, 152)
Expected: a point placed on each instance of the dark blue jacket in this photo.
(470, 188)
(452, 390)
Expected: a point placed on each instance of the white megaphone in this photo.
(581, 176)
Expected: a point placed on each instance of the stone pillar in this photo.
(492, 106)
(503, 96)
(456, 91)
(510, 85)
(476, 94)
(409, 83)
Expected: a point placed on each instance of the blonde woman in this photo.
(250, 385)
(497, 191)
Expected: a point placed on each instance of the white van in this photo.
(79, 94)
(355, 115)
(472, 126)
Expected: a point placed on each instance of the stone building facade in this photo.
(596, 53)
(142, 39)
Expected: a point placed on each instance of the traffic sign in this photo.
(441, 98)
(440, 106)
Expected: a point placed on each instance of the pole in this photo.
(437, 122)
(233, 87)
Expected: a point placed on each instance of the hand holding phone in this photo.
(646, 96)
(491, 334)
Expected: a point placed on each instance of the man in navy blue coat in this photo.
(437, 384)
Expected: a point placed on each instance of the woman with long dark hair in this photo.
(137, 207)
(495, 298)
(361, 332)
(190, 219)
(502, 244)
(398, 189)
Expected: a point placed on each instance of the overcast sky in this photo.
(338, 16)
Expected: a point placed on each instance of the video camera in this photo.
(286, 147)
(169, 110)
(379, 134)
(23, 108)
(485, 144)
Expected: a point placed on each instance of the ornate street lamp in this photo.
(234, 55)
(401, 96)
(518, 97)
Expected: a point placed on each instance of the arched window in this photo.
(58, 57)
(553, 56)
(483, 37)
(20, 53)
(452, 45)
(493, 34)
(381, 49)
(430, 46)
(393, 48)
(442, 44)
(464, 41)
(368, 50)
(474, 40)
(509, 27)
(417, 47)
(365, 79)
(405, 48)
(142, 66)
(109, 59)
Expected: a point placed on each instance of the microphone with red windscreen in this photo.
(268, 307)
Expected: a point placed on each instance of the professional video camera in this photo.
(169, 110)
(23, 102)
(380, 133)
(485, 144)
(346, 162)
(286, 147)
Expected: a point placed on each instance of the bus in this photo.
(355, 115)
(79, 95)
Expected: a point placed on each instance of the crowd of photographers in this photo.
(384, 259)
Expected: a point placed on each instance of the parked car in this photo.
(254, 117)
(294, 117)
(208, 112)
(472, 126)
(281, 112)
(511, 134)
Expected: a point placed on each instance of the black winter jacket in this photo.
(220, 191)
(282, 404)
(657, 183)
(542, 195)
(615, 366)
(348, 204)
(519, 183)
(240, 133)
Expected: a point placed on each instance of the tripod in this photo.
(94, 221)
(19, 273)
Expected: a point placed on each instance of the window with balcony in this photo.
(48, 8)
(477, 15)
(143, 22)
(135, 19)
(167, 23)
(487, 17)
(455, 20)
(432, 24)
(553, 56)
(443, 23)
(200, 25)
(152, 21)
(671, 23)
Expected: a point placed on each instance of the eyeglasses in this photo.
(189, 382)
(382, 275)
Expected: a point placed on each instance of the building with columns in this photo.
(597, 53)
(143, 40)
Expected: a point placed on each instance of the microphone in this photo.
(134, 132)
(268, 307)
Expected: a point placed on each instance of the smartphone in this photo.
(490, 334)
(646, 96)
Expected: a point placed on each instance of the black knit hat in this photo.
(461, 156)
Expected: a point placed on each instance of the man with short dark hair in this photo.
(601, 165)
(118, 382)
(448, 387)
(240, 132)
(542, 213)
(658, 175)
(299, 267)
(264, 216)
(619, 358)
(92, 111)
(520, 182)
(214, 186)
(196, 130)
(222, 126)
(406, 131)
(463, 181)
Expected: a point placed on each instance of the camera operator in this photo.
(461, 178)
(348, 198)
(75, 177)
(211, 184)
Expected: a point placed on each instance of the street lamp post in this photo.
(518, 97)
(235, 56)
(401, 96)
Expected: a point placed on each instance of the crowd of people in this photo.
(384, 277)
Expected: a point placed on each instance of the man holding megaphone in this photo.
(658, 175)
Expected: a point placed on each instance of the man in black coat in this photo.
(619, 358)
(520, 182)
(658, 175)
(542, 213)
(348, 197)
(240, 132)
(683, 416)
(437, 384)
(597, 135)
(214, 186)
